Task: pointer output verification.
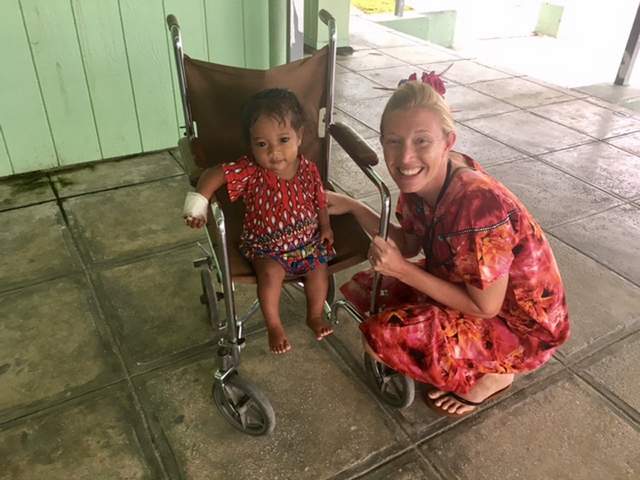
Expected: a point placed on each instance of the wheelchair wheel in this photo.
(244, 406)
(392, 387)
(209, 298)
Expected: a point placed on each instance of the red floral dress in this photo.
(478, 233)
(281, 216)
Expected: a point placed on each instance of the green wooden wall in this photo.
(84, 80)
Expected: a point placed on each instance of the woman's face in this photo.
(415, 150)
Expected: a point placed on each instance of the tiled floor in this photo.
(106, 356)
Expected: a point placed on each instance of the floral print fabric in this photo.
(281, 216)
(478, 233)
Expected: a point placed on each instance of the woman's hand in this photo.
(386, 258)
(339, 204)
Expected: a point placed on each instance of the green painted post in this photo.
(278, 32)
(316, 34)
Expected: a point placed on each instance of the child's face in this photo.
(275, 145)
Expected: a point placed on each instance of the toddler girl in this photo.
(286, 230)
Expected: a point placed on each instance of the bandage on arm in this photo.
(195, 206)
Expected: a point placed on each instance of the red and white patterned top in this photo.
(281, 215)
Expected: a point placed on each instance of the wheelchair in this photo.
(212, 99)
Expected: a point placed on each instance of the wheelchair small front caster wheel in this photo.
(392, 387)
(244, 406)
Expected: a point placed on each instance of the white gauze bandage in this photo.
(195, 205)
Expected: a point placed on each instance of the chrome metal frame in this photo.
(217, 257)
(330, 22)
(176, 38)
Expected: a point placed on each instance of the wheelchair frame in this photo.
(242, 404)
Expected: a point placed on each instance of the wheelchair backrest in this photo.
(217, 94)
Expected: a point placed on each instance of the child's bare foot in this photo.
(278, 342)
(320, 328)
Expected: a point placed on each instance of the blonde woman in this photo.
(487, 302)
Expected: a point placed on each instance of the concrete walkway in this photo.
(106, 356)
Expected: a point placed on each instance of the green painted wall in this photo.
(436, 27)
(549, 19)
(85, 80)
(316, 34)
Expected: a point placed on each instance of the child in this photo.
(286, 230)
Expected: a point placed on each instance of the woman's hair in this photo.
(274, 102)
(417, 94)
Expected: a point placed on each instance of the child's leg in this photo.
(315, 288)
(270, 275)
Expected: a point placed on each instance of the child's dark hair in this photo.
(276, 103)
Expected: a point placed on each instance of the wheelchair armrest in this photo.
(355, 146)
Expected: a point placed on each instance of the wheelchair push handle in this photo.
(326, 17)
(172, 21)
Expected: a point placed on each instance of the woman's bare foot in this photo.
(278, 342)
(487, 386)
(320, 328)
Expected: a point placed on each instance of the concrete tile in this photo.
(481, 148)
(51, 345)
(377, 38)
(612, 237)
(36, 244)
(104, 175)
(155, 307)
(22, 190)
(629, 143)
(617, 368)
(544, 433)
(353, 86)
(347, 175)
(420, 54)
(602, 165)
(368, 60)
(326, 421)
(362, 130)
(588, 118)
(93, 439)
(466, 104)
(367, 111)
(466, 72)
(419, 420)
(601, 304)
(390, 77)
(628, 109)
(521, 92)
(534, 135)
(407, 467)
(551, 196)
(610, 92)
(146, 218)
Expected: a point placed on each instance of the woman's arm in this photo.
(369, 220)
(483, 303)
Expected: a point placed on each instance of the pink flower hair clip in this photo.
(431, 78)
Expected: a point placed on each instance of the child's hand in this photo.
(195, 210)
(326, 236)
(195, 222)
